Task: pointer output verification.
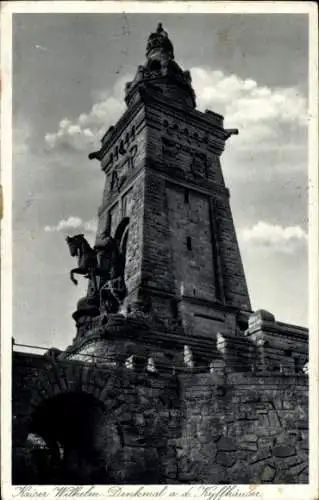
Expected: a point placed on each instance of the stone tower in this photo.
(171, 379)
(166, 205)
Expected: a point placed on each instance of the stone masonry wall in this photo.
(244, 429)
(186, 152)
(190, 238)
(157, 257)
(193, 428)
(130, 440)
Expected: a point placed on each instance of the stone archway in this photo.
(121, 236)
(71, 409)
(81, 438)
(99, 425)
(121, 229)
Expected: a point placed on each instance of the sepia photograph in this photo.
(159, 264)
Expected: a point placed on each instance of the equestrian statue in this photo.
(103, 265)
(87, 262)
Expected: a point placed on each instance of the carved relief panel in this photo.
(186, 150)
(188, 160)
(121, 161)
(123, 169)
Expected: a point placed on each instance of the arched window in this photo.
(122, 148)
(123, 244)
(121, 237)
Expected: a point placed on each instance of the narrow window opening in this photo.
(186, 196)
(122, 148)
(174, 308)
(189, 243)
(109, 223)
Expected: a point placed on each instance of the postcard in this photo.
(159, 279)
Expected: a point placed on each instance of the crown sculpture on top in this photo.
(160, 68)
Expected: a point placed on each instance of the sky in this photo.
(69, 72)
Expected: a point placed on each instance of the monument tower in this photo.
(171, 378)
(166, 207)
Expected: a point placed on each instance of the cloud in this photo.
(21, 136)
(88, 128)
(265, 166)
(72, 223)
(264, 116)
(274, 237)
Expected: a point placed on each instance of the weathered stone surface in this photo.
(267, 474)
(283, 451)
(226, 444)
(260, 455)
(249, 446)
(294, 460)
(298, 469)
(249, 438)
(225, 458)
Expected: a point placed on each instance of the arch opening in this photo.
(77, 438)
(121, 237)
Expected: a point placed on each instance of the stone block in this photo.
(226, 444)
(293, 460)
(301, 424)
(274, 421)
(298, 469)
(249, 438)
(187, 470)
(125, 416)
(248, 446)
(283, 451)
(169, 466)
(267, 474)
(260, 456)
(226, 459)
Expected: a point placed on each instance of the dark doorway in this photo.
(74, 428)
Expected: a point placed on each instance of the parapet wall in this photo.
(189, 428)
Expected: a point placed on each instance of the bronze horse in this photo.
(105, 262)
(87, 261)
